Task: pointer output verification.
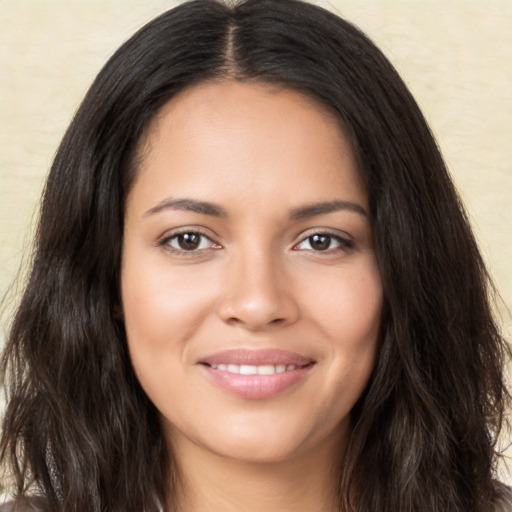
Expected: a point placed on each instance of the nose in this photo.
(257, 295)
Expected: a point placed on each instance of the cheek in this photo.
(347, 309)
(163, 308)
(348, 304)
(159, 302)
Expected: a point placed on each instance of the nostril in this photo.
(248, 306)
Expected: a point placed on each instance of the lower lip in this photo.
(256, 387)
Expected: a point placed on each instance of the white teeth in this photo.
(266, 370)
(246, 369)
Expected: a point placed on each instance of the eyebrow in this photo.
(303, 212)
(190, 205)
(326, 207)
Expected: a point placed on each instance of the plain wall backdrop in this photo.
(455, 55)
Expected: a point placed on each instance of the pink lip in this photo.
(257, 357)
(256, 386)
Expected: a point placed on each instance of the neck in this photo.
(307, 482)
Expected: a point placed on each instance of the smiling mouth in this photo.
(256, 374)
(266, 369)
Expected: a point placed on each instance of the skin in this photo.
(257, 280)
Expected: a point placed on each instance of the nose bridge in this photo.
(256, 291)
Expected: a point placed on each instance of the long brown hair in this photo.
(80, 431)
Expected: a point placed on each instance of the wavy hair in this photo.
(80, 431)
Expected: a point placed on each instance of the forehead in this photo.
(262, 137)
(234, 102)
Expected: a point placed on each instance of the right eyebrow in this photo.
(191, 205)
(311, 210)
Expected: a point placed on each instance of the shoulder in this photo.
(503, 498)
(35, 504)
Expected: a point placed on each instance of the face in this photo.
(250, 290)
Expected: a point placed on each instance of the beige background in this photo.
(456, 56)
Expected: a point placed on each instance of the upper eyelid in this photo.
(337, 233)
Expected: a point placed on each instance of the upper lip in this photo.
(258, 357)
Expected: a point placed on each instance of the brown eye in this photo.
(323, 242)
(320, 242)
(188, 242)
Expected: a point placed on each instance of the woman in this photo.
(254, 286)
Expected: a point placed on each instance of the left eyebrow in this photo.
(190, 205)
(311, 210)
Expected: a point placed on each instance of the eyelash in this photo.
(344, 244)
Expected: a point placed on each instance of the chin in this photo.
(259, 451)
(270, 441)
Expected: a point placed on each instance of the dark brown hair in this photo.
(80, 431)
